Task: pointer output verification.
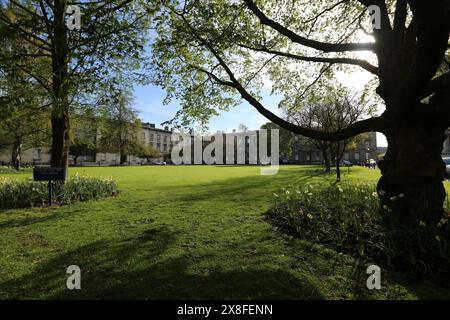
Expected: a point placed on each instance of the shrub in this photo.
(347, 217)
(16, 193)
(341, 216)
(19, 193)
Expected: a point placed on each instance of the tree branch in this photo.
(368, 125)
(358, 62)
(322, 46)
(401, 11)
(436, 84)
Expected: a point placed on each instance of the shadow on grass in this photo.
(237, 186)
(145, 266)
(29, 220)
(136, 268)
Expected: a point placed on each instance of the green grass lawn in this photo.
(183, 232)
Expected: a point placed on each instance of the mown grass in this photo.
(183, 232)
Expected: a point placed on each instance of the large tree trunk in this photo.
(338, 169)
(122, 155)
(16, 153)
(326, 159)
(60, 141)
(60, 113)
(411, 191)
(123, 159)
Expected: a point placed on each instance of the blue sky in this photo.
(149, 101)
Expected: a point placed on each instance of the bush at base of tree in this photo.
(19, 193)
(348, 219)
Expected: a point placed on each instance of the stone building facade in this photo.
(159, 138)
(304, 153)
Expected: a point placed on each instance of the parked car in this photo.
(157, 162)
(447, 165)
(346, 163)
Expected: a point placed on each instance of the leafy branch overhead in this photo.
(207, 52)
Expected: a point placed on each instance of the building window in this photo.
(346, 156)
(297, 157)
(165, 139)
(158, 146)
(151, 136)
(103, 157)
(165, 147)
(142, 135)
(114, 157)
(308, 157)
(158, 138)
(356, 156)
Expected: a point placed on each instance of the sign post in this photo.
(49, 174)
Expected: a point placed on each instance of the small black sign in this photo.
(49, 174)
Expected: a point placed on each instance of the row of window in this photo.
(115, 157)
(317, 156)
(158, 137)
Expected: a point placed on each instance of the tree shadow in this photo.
(236, 186)
(138, 268)
(29, 216)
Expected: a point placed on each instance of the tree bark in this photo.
(123, 159)
(326, 160)
(60, 112)
(411, 188)
(16, 153)
(338, 168)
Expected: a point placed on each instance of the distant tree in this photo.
(82, 147)
(331, 112)
(146, 152)
(242, 128)
(24, 104)
(111, 38)
(285, 138)
(120, 125)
